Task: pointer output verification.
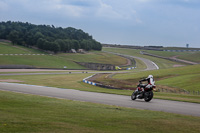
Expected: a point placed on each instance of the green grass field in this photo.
(165, 53)
(55, 61)
(195, 57)
(27, 113)
(190, 56)
(8, 48)
(96, 57)
(39, 61)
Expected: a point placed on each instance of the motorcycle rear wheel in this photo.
(148, 96)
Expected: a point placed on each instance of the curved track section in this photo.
(102, 98)
(150, 65)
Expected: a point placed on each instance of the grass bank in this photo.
(27, 113)
(182, 77)
(95, 57)
(190, 56)
(56, 60)
(8, 48)
(39, 61)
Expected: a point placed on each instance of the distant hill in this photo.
(46, 37)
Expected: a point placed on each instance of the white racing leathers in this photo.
(151, 83)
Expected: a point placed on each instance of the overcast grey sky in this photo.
(133, 22)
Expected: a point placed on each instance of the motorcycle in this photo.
(142, 92)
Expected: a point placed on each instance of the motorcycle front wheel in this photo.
(133, 96)
(148, 96)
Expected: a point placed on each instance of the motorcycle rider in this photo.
(150, 81)
(144, 91)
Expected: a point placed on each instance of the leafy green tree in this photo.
(14, 36)
(61, 44)
(76, 44)
(37, 36)
(86, 44)
(28, 37)
(97, 46)
(47, 37)
(47, 46)
(68, 44)
(55, 47)
(3, 33)
(41, 43)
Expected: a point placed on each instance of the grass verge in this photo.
(27, 113)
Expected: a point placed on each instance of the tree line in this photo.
(46, 37)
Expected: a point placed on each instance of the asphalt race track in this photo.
(150, 65)
(102, 98)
